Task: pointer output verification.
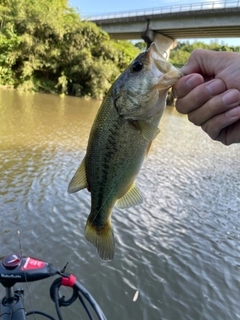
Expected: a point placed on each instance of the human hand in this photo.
(210, 93)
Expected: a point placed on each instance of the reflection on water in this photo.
(180, 248)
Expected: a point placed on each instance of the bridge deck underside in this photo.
(183, 33)
(219, 23)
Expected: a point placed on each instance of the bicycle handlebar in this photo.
(15, 268)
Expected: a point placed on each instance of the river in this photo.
(179, 249)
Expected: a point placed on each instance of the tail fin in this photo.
(102, 238)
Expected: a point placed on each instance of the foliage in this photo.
(8, 41)
(44, 45)
(140, 45)
(180, 54)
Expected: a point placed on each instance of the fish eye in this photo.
(136, 66)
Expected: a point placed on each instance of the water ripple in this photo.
(179, 249)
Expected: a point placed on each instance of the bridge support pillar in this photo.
(163, 43)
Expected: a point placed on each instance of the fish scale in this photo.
(116, 139)
(121, 135)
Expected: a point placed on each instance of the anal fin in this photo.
(132, 198)
(79, 180)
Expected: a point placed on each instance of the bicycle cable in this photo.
(41, 313)
(78, 292)
(16, 268)
(28, 292)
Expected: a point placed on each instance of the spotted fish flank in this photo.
(121, 135)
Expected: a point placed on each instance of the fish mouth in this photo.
(162, 64)
(166, 73)
(154, 51)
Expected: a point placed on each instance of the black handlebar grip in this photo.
(15, 268)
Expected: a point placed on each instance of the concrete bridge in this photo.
(216, 19)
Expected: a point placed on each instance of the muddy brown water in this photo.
(179, 249)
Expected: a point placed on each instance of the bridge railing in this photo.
(209, 5)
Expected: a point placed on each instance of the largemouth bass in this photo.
(121, 135)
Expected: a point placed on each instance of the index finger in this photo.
(185, 84)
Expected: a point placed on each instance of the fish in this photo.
(120, 138)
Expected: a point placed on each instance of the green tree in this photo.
(182, 51)
(46, 46)
(9, 40)
(141, 45)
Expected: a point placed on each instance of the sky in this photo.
(95, 7)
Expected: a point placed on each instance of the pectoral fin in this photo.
(148, 130)
(79, 180)
(132, 198)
